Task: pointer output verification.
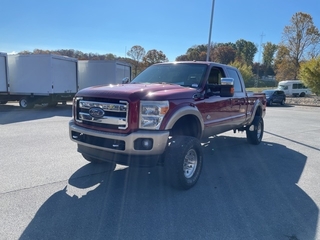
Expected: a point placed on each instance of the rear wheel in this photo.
(255, 131)
(26, 103)
(303, 94)
(183, 161)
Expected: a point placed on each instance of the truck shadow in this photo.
(12, 113)
(244, 192)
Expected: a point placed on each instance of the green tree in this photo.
(136, 53)
(245, 51)
(245, 70)
(300, 38)
(310, 74)
(153, 56)
(269, 50)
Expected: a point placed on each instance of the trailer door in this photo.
(64, 76)
(3, 74)
(122, 71)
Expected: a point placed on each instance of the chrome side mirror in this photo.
(227, 81)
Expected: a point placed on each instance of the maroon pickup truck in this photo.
(161, 117)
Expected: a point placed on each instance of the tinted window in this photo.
(234, 74)
(183, 74)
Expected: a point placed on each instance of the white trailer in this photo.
(40, 78)
(102, 72)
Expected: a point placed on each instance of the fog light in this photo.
(143, 144)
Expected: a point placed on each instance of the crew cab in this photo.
(161, 117)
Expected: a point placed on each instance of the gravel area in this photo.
(305, 101)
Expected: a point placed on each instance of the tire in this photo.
(270, 102)
(255, 131)
(282, 102)
(26, 103)
(183, 161)
(97, 161)
(303, 94)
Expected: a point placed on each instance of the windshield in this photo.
(268, 92)
(183, 74)
(283, 87)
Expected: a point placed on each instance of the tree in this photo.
(245, 51)
(269, 50)
(301, 39)
(245, 70)
(310, 74)
(284, 66)
(224, 53)
(196, 52)
(153, 56)
(136, 53)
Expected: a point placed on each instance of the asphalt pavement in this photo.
(269, 191)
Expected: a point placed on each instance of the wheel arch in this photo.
(186, 121)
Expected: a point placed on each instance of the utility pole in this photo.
(259, 59)
(209, 42)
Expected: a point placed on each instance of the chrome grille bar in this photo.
(115, 114)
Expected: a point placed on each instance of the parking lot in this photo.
(269, 191)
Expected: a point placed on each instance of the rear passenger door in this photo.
(238, 102)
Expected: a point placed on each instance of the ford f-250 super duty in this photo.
(163, 114)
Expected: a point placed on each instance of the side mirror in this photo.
(227, 88)
(125, 80)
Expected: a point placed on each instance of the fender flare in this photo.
(257, 104)
(184, 111)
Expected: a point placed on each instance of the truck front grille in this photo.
(106, 114)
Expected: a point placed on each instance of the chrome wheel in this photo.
(190, 163)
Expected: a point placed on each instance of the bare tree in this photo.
(136, 53)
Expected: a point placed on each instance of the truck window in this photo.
(215, 75)
(234, 74)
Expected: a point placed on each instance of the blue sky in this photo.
(172, 26)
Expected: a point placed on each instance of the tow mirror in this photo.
(227, 88)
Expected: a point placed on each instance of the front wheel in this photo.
(183, 161)
(255, 131)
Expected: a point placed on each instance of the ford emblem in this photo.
(96, 112)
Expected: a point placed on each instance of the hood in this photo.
(133, 92)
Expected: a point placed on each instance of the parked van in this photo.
(294, 88)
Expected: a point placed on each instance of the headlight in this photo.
(152, 113)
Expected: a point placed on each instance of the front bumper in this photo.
(117, 144)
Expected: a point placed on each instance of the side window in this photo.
(215, 75)
(234, 74)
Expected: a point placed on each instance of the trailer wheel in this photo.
(26, 103)
(255, 131)
(183, 161)
(111, 165)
